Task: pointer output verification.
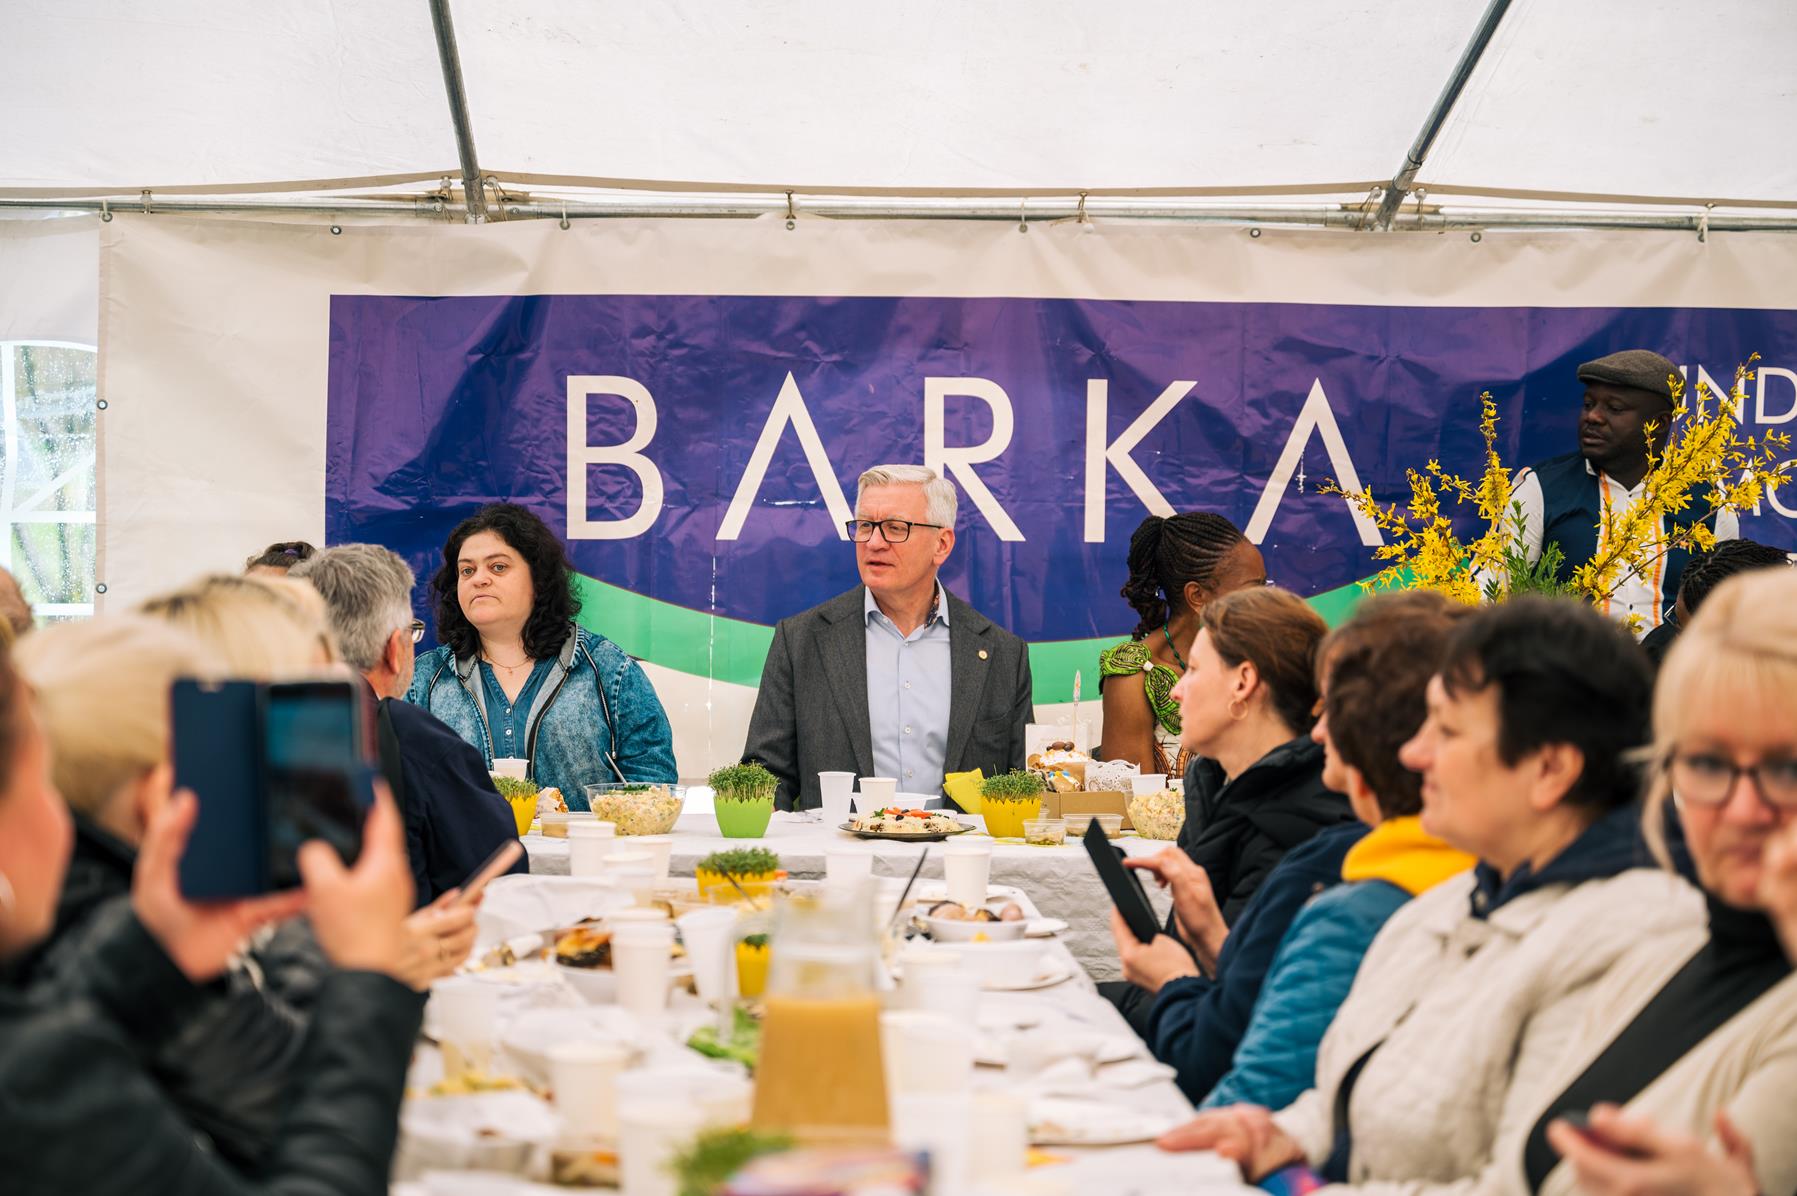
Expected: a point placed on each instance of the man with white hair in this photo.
(454, 817)
(898, 677)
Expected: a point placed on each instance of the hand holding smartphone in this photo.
(1123, 885)
(496, 864)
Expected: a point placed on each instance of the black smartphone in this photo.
(503, 858)
(218, 755)
(1124, 887)
(272, 766)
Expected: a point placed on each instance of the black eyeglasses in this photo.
(895, 531)
(1707, 779)
(417, 631)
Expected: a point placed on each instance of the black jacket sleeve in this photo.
(454, 817)
(773, 738)
(82, 1113)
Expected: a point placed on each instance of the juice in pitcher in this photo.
(821, 1077)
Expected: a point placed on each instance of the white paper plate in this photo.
(993, 1051)
(1043, 928)
(1000, 1014)
(1065, 1121)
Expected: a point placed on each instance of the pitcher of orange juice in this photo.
(820, 1077)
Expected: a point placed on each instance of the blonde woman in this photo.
(265, 628)
(1694, 1036)
(102, 690)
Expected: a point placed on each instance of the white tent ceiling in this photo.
(1618, 98)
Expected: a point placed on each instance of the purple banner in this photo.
(439, 405)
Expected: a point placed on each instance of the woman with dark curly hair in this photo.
(1176, 565)
(517, 678)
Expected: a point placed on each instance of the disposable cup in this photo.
(951, 992)
(710, 938)
(941, 1125)
(925, 1051)
(510, 766)
(584, 1076)
(660, 848)
(589, 846)
(1142, 786)
(848, 864)
(1001, 1148)
(876, 793)
(967, 867)
(641, 957)
(838, 789)
(464, 1013)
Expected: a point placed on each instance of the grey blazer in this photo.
(811, 714)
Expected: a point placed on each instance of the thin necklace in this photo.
(510, 668)
(1172, 649)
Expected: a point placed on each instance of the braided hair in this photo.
(1166, 553)
(1722, 562)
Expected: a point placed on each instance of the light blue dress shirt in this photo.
(908, 679)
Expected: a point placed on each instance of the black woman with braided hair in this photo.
(1176, 564)
(1703, 574)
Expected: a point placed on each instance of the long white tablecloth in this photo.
(1060, 879)
(1073, 1003)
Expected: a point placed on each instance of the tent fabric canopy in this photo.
(1619, 98)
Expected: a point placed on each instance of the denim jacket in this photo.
(595, 719)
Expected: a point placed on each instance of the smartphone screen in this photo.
(313, 755)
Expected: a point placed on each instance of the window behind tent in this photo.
(48, 531)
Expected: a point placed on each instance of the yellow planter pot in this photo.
(757, 885)
(1005, 816)
(524, 811)
(751, 968)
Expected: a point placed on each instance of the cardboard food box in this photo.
(1059, 805)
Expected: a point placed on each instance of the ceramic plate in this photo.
(1055, 972)
(896, 837)
(1042, 928)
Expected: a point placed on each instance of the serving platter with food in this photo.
(914, 826)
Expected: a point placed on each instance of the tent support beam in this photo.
(1405, 179)
(1435, 219)
(474, 191)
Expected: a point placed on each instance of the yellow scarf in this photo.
(1399, 851)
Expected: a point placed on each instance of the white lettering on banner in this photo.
(1116, 454)
(1708, 388)
(1759, 404)
(581, 387)
(1316, 416)
(958, 463)
(789, 408)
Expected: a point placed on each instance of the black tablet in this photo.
(1125, 888)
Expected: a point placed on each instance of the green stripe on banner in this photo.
(733, 651)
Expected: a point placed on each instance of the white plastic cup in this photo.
(510, 766)
(919, 961)
(967, 867)
(838, 789)
(1001, 1148)
(635, 915)
(589, 843)
(660, 849)
(465, 1014)
(710, 938)
(940, 1124)
(848, 864)
(925, 1051)
(632, 871)
(948, 991)
(659, 1112)
(641, 958)
(877, 793)
(584, 1077)
(1142, 786)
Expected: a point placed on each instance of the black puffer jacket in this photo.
(1239, 829)
(227, 1063)
(82, 1112)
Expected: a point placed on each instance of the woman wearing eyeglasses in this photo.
(1694, 1037)
(519, 679)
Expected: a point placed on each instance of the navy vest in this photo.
(1572, 507)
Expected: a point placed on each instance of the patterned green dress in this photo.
(1132, 659)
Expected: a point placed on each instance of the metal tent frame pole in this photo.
(474, 191)
(1402, 181)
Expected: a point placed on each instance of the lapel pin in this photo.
(982, 653)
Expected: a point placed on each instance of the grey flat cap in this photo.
(1637, 369)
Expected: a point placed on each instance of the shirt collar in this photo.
(938, 608)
